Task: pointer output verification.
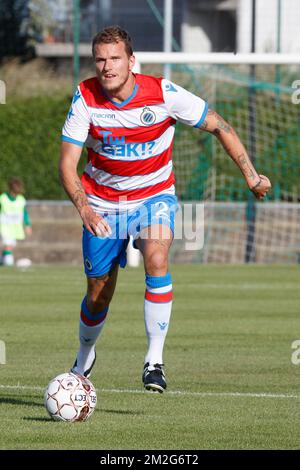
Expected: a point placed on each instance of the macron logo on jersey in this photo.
(104, 115)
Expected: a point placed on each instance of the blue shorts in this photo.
(101, 254)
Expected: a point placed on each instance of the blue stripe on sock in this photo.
(89, 315)
(160, 281)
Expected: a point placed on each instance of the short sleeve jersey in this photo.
(130, 143)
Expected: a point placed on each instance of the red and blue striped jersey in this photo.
(130, 143)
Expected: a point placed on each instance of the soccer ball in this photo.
(70, 397)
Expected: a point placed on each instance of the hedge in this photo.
(30, 131)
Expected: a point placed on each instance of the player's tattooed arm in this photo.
(70, 155)
(96, 224)
(216, 125)
(246, 166)
(69, 158)
(78, 196)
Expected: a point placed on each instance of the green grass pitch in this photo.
(231, 382)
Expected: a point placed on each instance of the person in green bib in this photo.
(14, 219)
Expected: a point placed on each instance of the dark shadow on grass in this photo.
(20, 401)
(44, 419)
(25, 402)
(121, 412)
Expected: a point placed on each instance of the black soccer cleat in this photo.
(154, 378)
(87, 372)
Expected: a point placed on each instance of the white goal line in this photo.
(169, 393)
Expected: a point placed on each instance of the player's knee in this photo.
(156, 262)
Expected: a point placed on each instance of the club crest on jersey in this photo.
(148, 116)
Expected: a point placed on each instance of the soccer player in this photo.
(14, 219)
(127, 122)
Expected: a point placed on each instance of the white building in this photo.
(198, 25)
(225, 25)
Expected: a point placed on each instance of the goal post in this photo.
(214, 58)
(204, 172)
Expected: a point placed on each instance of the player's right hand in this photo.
(261, 188)
(94, 223)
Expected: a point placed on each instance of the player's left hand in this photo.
(261, 188)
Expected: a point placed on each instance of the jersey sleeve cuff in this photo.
(203, 116)
(72, 141)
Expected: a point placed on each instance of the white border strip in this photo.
(170, 393)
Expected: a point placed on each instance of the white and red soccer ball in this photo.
(70, 397)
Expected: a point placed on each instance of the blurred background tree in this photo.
(14, 15)
(22, 24)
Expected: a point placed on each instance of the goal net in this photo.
(254, 93)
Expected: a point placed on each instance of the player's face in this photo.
(113, 65)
